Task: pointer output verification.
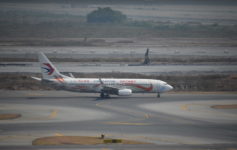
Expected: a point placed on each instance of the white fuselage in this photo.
(122, 87)
(94, 85)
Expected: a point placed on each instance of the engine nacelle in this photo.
(125, 92)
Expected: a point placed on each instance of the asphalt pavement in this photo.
(174, 121)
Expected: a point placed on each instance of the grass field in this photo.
(204, 24)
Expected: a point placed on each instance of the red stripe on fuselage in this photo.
(145, 88)
(148, 89)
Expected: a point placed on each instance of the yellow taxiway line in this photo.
(53, 114)
(185, 107)
(129, 123)
(58, 134)
(133, 121)
(147, 116)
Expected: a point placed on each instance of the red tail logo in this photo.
(49, 68)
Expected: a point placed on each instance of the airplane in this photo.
(106, 87)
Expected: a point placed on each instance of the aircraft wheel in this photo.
(102, 95)
(158, 95)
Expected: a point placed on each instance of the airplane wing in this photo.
(108, 89)
(116, 90)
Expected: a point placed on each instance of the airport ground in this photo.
(190, 45)
(175, 121)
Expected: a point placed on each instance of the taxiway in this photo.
(175, 121)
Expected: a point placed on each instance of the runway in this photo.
(33, 67)
(175, 121)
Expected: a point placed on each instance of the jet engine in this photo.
(125, 92)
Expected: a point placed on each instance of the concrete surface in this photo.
(33, 67)
(175, 121)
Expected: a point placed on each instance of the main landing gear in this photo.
(158, 95)
(104, 95)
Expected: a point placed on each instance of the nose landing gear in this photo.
(158, 95)
(102, 95)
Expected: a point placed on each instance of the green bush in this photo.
(105, 15)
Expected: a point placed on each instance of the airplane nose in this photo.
(169, 88)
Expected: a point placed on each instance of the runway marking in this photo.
(209, 109)
(132, 121)
(185, 107)
(124, 110)
(230, 106)
(53, 114)
(203, 93)
(129, 123)
(58, 134)
(147, 116)
(34, 94)
(98, 104)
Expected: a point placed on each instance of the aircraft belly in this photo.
(138, 89)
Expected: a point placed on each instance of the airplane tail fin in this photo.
(48, 70)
